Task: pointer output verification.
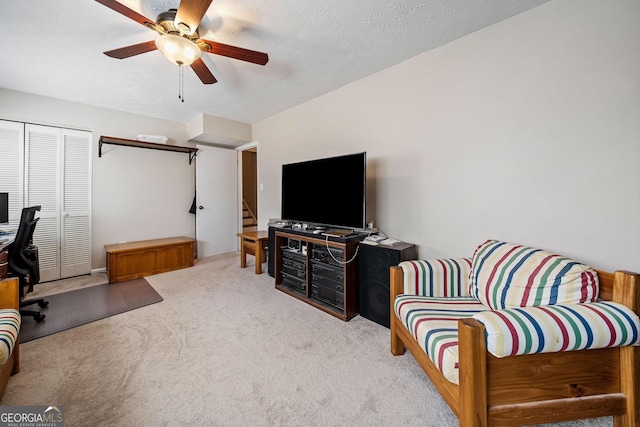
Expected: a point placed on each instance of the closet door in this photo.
(58, 178)
(76, 203)
(42, 187)
(11, 167)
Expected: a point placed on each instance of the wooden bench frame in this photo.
(9, 298)
(537, 388)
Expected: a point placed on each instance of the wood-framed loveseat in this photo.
(521, 389)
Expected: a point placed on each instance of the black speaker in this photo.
(374, 263)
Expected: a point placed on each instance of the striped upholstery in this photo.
(437, 277)
(506, 275)
(556, 328)
(9, 330)
(433, 322)
(530, 301)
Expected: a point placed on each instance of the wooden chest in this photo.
(131, 260)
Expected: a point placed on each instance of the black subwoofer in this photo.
(374, 263)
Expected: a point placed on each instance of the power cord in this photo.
(326, 242)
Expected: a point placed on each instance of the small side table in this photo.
(253, 243)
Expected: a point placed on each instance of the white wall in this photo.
(527, 131)
(138, 194)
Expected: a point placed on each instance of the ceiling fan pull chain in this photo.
(181, 82)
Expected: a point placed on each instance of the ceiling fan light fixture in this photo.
(177, 49)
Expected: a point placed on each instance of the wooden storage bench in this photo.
(131, 260)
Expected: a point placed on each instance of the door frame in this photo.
(240, 149)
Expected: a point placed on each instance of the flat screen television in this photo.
(326, 192)
(4, 208)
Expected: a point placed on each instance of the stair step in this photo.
(248, 220)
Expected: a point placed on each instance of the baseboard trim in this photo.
(99, 270)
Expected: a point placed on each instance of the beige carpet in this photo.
(225, 348)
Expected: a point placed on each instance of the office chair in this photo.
(24, 263)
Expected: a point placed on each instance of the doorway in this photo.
(248, 159)
(250, 189)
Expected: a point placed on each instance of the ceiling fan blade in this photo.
(203, 72)
(124, 10)
(237, 52)
(191, 12)
(133, 50)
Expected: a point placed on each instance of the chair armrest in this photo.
(554, 328)
(436, 277)
(9, 293)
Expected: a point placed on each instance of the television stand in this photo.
(312, 268)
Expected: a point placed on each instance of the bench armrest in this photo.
(436, 277)
(9, 293)
(554, 328)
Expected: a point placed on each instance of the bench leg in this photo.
(259, 256)
(472, 358)
(243, 254)
(397, 346)
(630, 384)
(16, 359)
(395, 288)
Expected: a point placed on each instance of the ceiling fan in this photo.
(179, 40)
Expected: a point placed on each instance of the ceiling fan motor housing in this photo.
(167, 25)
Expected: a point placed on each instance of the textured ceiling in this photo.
(54, 48)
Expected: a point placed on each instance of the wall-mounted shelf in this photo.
(140, 144)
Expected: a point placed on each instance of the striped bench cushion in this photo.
(506, 275)
(437, 277)
(433, 323)
(9, 330)
(556, 328)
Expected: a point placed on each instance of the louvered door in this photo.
(42, 188)
(58, 170)
(11, 166)
(76, 203)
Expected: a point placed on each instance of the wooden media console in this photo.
(321, 271)
(131, 260)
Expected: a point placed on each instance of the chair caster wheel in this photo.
(39, 318)
(43, 304)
